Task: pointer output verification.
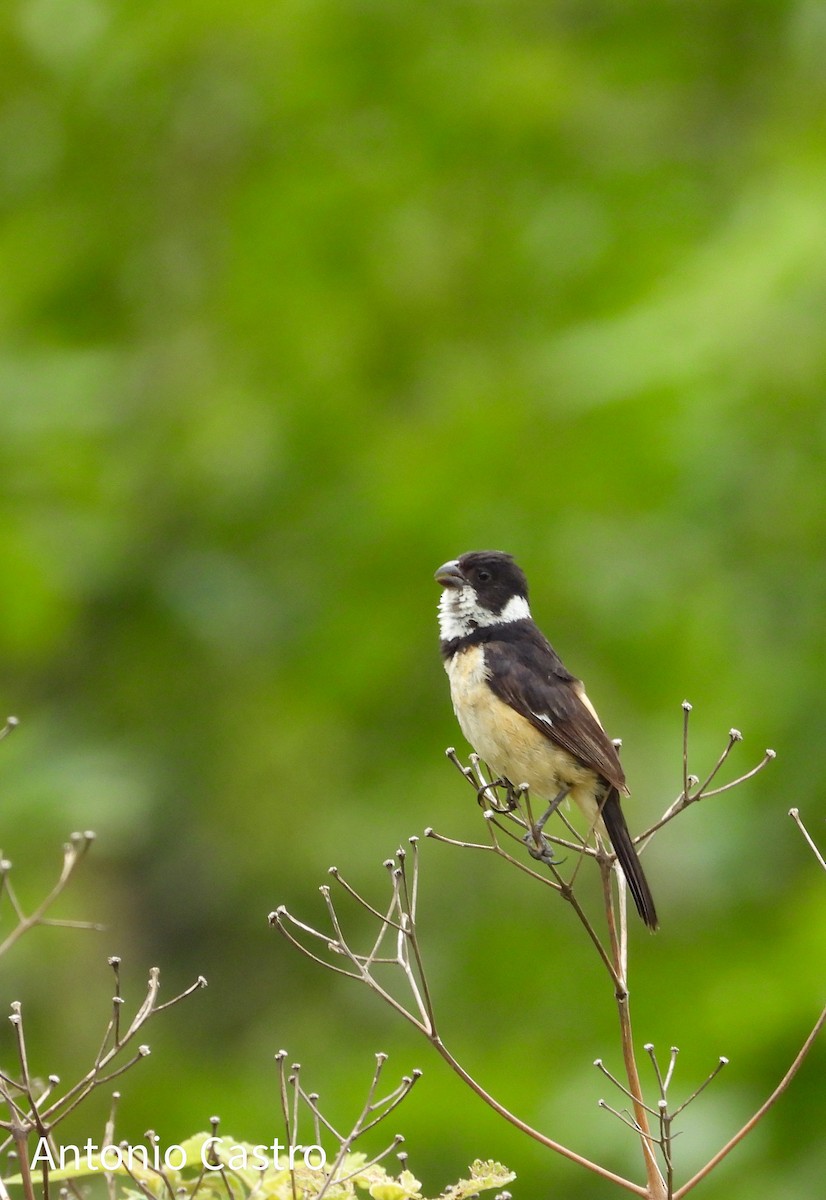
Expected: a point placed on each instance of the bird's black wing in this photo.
(526, 672)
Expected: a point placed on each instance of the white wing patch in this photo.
(543, 717)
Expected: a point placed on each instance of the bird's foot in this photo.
(539, 847)
(486, 796)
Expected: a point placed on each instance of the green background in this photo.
(298, 300)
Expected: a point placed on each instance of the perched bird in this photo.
(522, 711)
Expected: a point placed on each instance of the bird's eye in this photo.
(482, 575)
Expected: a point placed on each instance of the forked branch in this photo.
(32, 1108)
(693, 790)
(73, 853)
(396, 946)
(794, 813)
(512, 831)
(373, 1112)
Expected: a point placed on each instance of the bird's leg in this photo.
(542, 848)
(486, 795)
(512, 794)
(551, 809)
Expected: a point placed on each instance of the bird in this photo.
(522, 710)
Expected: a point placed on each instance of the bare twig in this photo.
(794, 813)
(73, 852)
(617, 934)
(693, 790)
(686, 714)
(400, 921)
(535, 1134)
(9, 727)
(761, 1112)
(45, 1111)
(509, 819)
(396, 924)
(374, 1110)
(515, 811)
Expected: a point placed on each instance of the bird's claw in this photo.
(540, 848)
(486, 796)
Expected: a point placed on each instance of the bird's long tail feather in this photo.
(614, 820)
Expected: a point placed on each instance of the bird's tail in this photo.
(614, 820)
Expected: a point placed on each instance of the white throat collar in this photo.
(460, 613)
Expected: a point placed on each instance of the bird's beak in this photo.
(450, 575)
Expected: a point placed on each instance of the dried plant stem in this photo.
(509, 822)
(373, 1112)
(618, 939)
(9, 727)
(517, 812)
(26, 1101)
(761, 1112)
(20, 1138)
(794, 813)
(523, 1126)
(73, 852)
(702, 791)
(399, 923)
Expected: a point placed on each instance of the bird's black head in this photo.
(483, 587)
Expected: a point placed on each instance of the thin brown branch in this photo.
(493, 848)
(734, 736)
(334, 1179)
(292, 1134)
(686, 715)
(199, 983)
(404, 892)
(693, 790)
(512, 817)
(794, 813)
(97, 1074)
(761, 1112)
(319, 1119)
(73, 852)
(518, 812)
(535, 1134)
(278, 920)
(339, 878)
(373, 1111)
(394, 1098)
(625, 1117)
(21, 1144)
(768, 756)
(424, 1000)
(656, 1183)
(9, 727)
(620, 1086)
(682, 802)
(362, 970)
(721, 1063)
(109, 1139)
(16, 1020)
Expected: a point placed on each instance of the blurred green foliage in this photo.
(298, 300)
